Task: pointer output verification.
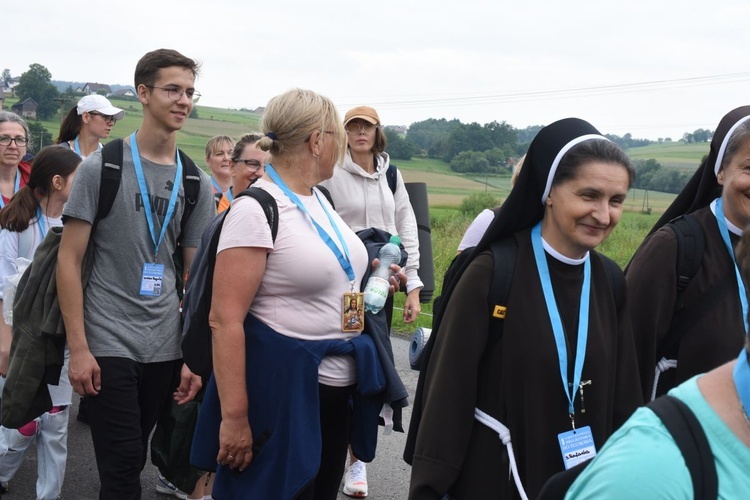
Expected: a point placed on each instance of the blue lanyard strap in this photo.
(216, 185)
(556, 321)
(342, 258)
(147, 201)
(720, 220)
(229, 195)
(16, 187)
(741, 377)
(40, 218)
(77, 146)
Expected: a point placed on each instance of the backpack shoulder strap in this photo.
(689, 436)
(391, 176)
(504, 257)
(269, 206)
(191, 181)
(327, 194)
(111, 177)
(691, 243)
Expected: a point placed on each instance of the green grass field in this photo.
(679, 155)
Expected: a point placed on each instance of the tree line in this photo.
(496, 146)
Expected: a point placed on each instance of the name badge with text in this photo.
(152, 279)
(576, 446)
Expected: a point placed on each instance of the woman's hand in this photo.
(190, 384)
(397, 279)
(235, 443)
(412, 306)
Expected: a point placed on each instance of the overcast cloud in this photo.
(528, 62)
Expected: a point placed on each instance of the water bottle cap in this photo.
(395, 240)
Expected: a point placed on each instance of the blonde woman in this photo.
(280, 368)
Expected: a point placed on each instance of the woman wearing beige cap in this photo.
(87, 123)
(364, 199)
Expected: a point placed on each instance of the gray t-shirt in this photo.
(119, 321)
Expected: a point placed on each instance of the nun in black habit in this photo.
(681, 334)
(566, 356)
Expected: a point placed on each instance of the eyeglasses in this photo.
(21, 142)
(252, 165)
(358, 127)
(176, 93)
(108, 119)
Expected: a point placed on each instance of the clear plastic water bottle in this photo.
(378, 286)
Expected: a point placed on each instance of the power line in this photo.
(540, 95)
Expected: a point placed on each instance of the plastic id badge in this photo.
(152, 279)
(576, 446)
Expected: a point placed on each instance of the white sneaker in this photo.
(166, 488)
(355, 480)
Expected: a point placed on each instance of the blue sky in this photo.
(655, 69)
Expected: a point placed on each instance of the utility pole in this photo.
(62, 101)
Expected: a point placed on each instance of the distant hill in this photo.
(63, 86)
(679, 155)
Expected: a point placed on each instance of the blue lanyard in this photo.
(554, 316)
(343, 259)
(147, 201)
(40, 219)
(741, 377)
(227, 193)
(719, 214)
(77, 146)
(16, 187)
(216, 185)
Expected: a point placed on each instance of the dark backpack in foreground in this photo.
(689, 437)
(196, 333)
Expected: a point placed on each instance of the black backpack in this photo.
(691, 243)
(687, 433)
(196, 333)
(392, 177)
(110, 185)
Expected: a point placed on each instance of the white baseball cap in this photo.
(96, 102)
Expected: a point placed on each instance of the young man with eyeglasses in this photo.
(124, 333)
(14, 171)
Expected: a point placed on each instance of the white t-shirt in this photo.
(62, 393)
(476, 229)
(301, 294)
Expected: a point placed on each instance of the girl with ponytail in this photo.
(25, 221)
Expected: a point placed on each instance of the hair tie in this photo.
(271, 136)
(31, 185)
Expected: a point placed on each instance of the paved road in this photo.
(388, 475)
